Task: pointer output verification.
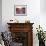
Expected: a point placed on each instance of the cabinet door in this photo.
(20, 37)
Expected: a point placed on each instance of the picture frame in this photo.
(20, 10)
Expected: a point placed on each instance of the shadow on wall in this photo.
(43, 6)
(0, 15)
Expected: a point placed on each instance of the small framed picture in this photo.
(20, 10)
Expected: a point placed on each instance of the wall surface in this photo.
(0, 15)
(33, 11)
(43, 6)
(34, 14)
(43, 14)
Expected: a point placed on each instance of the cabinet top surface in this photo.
(19, 23)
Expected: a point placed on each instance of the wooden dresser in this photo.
(22, 33)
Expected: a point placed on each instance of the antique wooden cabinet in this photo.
(22, 33)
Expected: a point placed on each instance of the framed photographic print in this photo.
(20, 10)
